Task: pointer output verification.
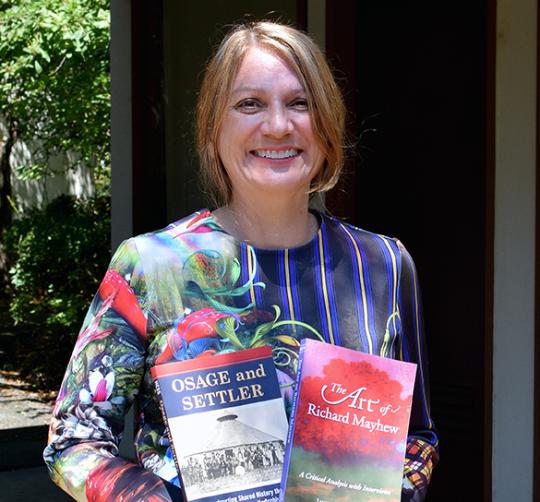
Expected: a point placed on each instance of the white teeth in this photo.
(276, 154)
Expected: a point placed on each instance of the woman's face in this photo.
(266, 141)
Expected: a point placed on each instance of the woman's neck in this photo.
(269, 224)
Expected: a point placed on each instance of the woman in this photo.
(270, 127)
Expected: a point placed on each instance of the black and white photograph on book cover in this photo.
(232, 450)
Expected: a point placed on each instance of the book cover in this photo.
(348, 428)
(227, 425)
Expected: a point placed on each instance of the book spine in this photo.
(292, 420)
(169, 435)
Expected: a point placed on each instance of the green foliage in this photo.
(54, 79)
(59, 255)
(54, 88)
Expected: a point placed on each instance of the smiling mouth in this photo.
(276, 154)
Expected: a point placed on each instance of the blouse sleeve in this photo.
(422, 445)
(100, 384)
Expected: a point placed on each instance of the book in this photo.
(348, 428)
(226, 423)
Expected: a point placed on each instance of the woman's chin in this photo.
(277, 186)
(279, 178)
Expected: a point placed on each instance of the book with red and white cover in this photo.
(348, 427)
(226, 423)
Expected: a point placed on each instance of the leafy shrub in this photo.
(59, 255)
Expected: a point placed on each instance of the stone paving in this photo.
(19, 405)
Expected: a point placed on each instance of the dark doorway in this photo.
(418, 84)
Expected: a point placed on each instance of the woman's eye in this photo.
(248, 106)
(300, 104)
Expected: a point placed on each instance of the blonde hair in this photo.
(305, 58)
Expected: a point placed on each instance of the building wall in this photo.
(36, 193)
(513, 322)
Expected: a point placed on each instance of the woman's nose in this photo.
(277, 122)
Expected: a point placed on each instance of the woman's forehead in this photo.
(261, 67)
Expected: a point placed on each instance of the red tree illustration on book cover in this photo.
(350, 426)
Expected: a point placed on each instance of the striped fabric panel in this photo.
(256, 294)
(360, 290)
(286, 301)
(418, 348)
(318, 271)
(292, 284)
(367, 296)
(244, 275)
(288, 266)
(398, 343)
(329, 282)
(419, 344)
(392, 271)
(250, 267)
(370, 295)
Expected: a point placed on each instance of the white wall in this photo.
(513, 344)
(36, 193)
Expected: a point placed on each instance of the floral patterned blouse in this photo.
(192, 290)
